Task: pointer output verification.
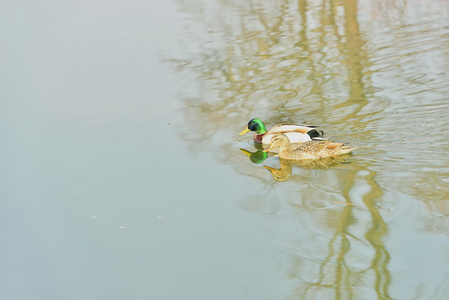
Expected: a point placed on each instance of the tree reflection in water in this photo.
(308, 62)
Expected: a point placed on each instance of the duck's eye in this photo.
(253, 126)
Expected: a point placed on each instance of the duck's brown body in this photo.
(307, 150)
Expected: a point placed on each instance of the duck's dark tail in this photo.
(316, 135)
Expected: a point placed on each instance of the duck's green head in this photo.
(255, 125)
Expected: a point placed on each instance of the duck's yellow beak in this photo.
(244, 131)
(246, 152)
(269, 168)
(269, 148)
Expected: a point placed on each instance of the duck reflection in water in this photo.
(283, 173)
(256, 157)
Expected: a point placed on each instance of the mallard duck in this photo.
(295, 133)
(307, 150)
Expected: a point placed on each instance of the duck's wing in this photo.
(285, 128)
(310, 147)
(333, 145)
(295, 133)
(294, 137)
(338, 148)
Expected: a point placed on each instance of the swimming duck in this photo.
(295, 133)
(307, 150)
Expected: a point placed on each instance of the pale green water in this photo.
(122, 175)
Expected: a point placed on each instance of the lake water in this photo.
(123, 175)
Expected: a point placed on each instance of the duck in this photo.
(307, 150)
(296, 133)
